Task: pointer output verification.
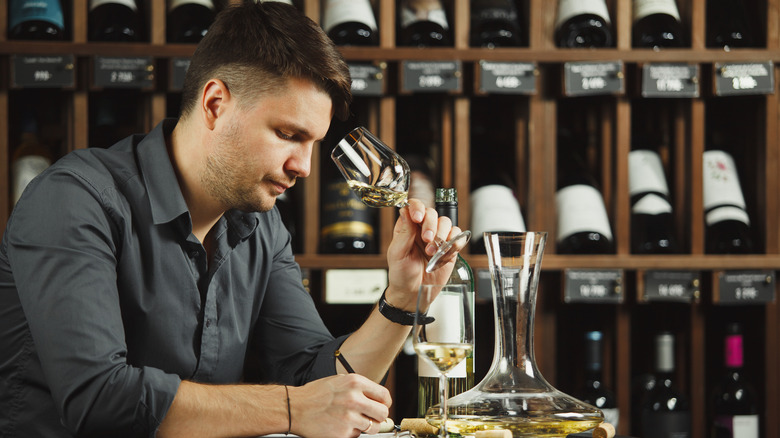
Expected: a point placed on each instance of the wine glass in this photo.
(380, 178)
(446, 341)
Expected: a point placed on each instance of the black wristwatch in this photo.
(397, 315)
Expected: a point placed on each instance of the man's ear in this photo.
(214, 101)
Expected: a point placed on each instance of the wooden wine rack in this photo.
(627, 323)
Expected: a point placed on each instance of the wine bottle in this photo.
(495, 23)
(189, 20)
(494, 207)
(421, 179)
(728, 25)
(727, 221)
(583, 23)
(462, 377)
(115, 21)
(594, 391)
(36, 20)
(30, 158)
(652, 230)
(734, 402)
(423, 23)
(657, 24)
(350, 23)
(665, 409)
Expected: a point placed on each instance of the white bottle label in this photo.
(745, 426)
(646, 173)
(423, 10)
(612, 416)
(129, 3)
(571, 8)
(581, 208)
(495, 208)
(721, 188)
(643, 8)
(342, 11)
(445, 330)
(24, 170)
(173, 4)
(651, 204)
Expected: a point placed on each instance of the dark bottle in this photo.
(495, 23)
(36, 20)
(30, 157)
(665, 410)
(188, 21)
(583, 23)
(594, 391)
(423, 23)
(734, 402)
(115, 21)
(728, 25)
(652, 229)
(657, 24)
(583, 222)
(350, 23)
(494, 207)
(726, 218)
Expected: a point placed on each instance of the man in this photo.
(137, 281)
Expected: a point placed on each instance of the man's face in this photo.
(259, 152)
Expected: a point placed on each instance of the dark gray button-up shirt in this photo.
(107, 300)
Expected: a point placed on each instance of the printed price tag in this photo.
(121, 72)
(744, 287)
(507, 77)
(178, 69)
(593, 78)
(431, 76)
(665, 286)
(593, 286)
(354, 286)
(670, 80)
(744, 78)
(42, 71)
(368, 79)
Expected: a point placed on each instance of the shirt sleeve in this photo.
(62, 249)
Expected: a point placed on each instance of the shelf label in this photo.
(354, 286)
(744, 287)
(368, 79)
(670, 80)
(733, 79)
(593, 286)
(507, 77)
(43, 71)
(593, 78)
(178, 69)
(124, 72)
(674, 286)
(431, 76)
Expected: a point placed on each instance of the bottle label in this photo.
(423, 10)
(666, 424)
(571, 8)
(129, 3)
(651, 204)
(24, 169)
(646, 173)
(739, 426)
(726, 214)
(495, 208)
(643, 8)
(343, 11)
(343, 215)
(721, 182)
(611, 416)
(29, 10)
(581, 209)
(173, 4)
(733, 351)
(444, 329)
(498, 10)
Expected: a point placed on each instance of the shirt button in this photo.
(208, 323)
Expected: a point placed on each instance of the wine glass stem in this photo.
(443, 403)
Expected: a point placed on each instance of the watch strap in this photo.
(397, 315)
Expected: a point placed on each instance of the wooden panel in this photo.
(621, 223)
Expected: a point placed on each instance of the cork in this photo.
(494, 433)
(418, 426)
(604, 430)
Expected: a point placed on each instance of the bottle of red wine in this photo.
(728, 25)
(36, 20)
(583, 23)
(189, 20)
(594, 390)
(115, 21)
(495, 23)
(423, 23)
(727, 221)
(657, 24)
(734, 402)
(350, 23)
(665, 410)
(652, 230)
